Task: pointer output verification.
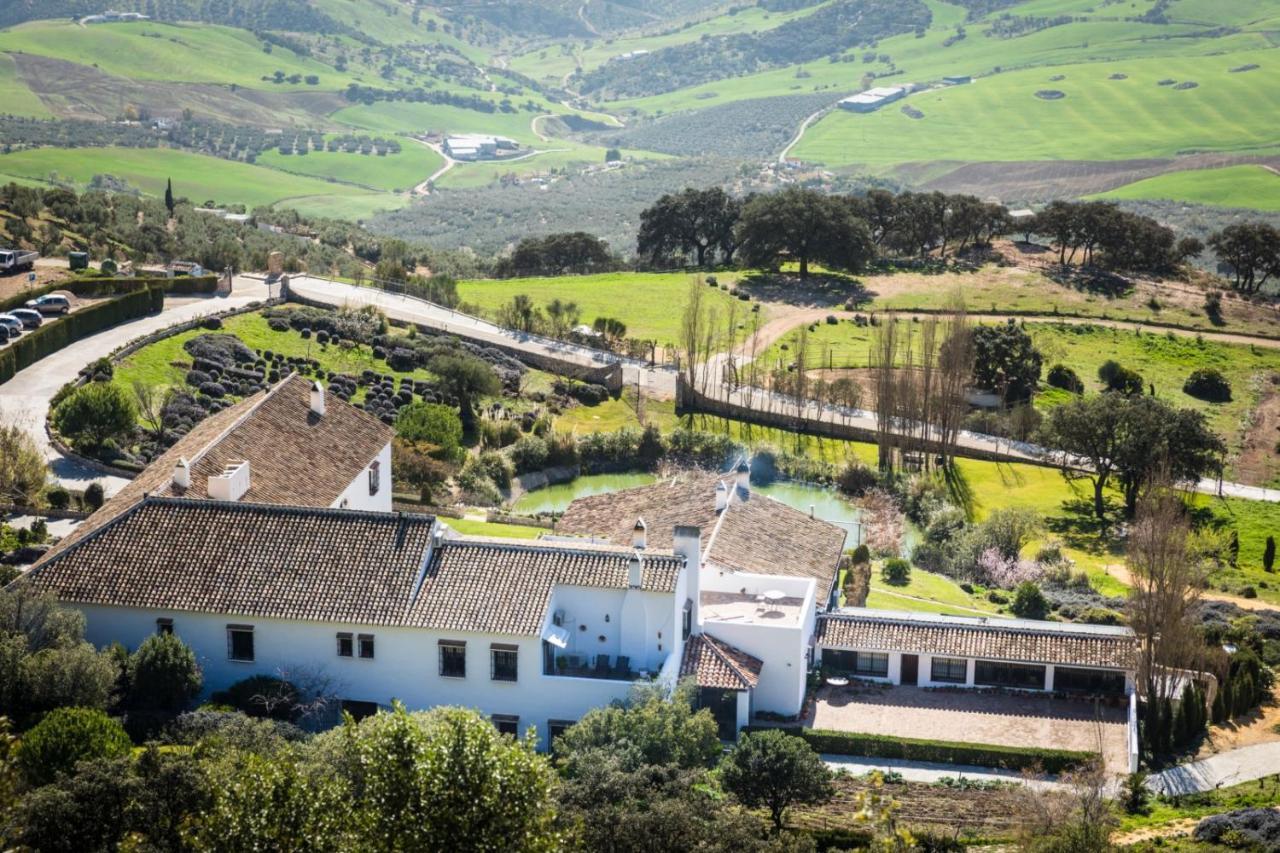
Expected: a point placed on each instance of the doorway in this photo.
(910, 670)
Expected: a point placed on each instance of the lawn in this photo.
(391, 172)
(650, 304)
(180, 53)
(1255, 187)
(16, 98)
(1261, 793)
(1001, 118)
(940, 593)
(471, 527)
(197, 176)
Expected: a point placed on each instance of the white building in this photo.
(873, 99)
(470, 146)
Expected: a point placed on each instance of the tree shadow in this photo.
(1080, 529)
(1091, 280)
(819, 290)
(960, 490)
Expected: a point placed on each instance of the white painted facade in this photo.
(359, 494)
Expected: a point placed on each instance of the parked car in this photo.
(10, 325)
(30, 317)
(50, 303)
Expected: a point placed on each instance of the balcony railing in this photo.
(617, 668)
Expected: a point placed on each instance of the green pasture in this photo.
(391, 22)
(1255, 187)
(929, 592)
(185, 53)
(16, 98)
(197, 176)
(557, 154)
(472, 527)
(1000, 117)
(650, 304)
(351, 206)
(391, 172)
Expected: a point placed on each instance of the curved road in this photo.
(24, 399)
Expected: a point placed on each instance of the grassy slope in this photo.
(190, 53)
(196, 176)
(15, 97)
(471, 527)
(1000, 118)
(647, 302)
(1234, 186)
(393, 172)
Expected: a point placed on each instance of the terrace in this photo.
(610, 668)
(764, 608)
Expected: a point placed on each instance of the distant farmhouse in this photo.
(113, 17)
(874, 99)
(957, 79)
(477, 147)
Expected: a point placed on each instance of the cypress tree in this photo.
(1269, 554)
(168, 196)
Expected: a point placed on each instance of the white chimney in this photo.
(232, 483)
(317, 398)
(722, 496)
(638, 535)
(744, 478)
(687, 542)
(182, 474)
(635, 571)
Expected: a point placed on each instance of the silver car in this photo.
(10, 325)
(50, 303)
(30, 317)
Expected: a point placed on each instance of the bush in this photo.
(261, 696)
(855, 479)
(94, 413)
(1061, 376)
(529, 454)
(1052, 761)
(1119, 378)
(896, 571)
(66, 736)
(163, 674)
(93, 495)
(433, 423)
(1029, 602)
(861, 555)
(1208, 383)
(57, 497)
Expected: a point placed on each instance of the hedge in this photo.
(96, 287)
(55, 335)
(1052, 761)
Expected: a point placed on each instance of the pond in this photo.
(556, 498)
(825, 501)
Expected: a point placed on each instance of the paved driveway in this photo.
(1218, 771)
(1025, 719)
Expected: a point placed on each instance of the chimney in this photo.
(687, 542)
(722, 496)
(182, 474)
(635, 571)
(232, 483)
(744, 478)
(317, 399)
(638, 535)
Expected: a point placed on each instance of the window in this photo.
(1100, 682)
(366, 646)
(240, 642)
(453, 659)
(950, 670)
(345, 648)
(374, 477)
(988, 673)
(164, 626)
(555, 728)
(359, 710)
(686, 624)
(502, 662)
(870, 664)
(506, 724)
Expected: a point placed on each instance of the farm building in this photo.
(957, 79)
(873, 99)
(477, 147)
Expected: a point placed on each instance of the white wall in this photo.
(405, 665)
(643, 625)
(356, 495)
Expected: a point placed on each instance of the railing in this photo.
(566, 667)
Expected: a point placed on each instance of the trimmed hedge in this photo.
(96, 287)
(53, 336)
(1052, 761)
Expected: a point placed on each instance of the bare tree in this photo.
(691, 331)
(22, 467)
(883, 357)
(151, 405)
(955, 370)
(1074, 816)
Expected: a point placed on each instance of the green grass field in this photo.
(392, 172)
(1000, 117)
(1255, 187)
(649, 303)
(197, 176)
(417, 118)
(16, 98)
(187, 53)
(929, 592)
(471, 527)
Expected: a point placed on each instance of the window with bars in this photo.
(453, 659)
(949, 670)
(507, 724)
(1100, 682)
(503, 662)
(346, 648)
(240, 643)
(375, 475)
(365, 646)
(989, 673)
(164, 626)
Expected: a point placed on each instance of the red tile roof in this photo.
(714, 663)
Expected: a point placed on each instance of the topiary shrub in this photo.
(66, 736)
(322, 336)
(94, 496)
(1061, 376)
(1208, 383)
(896, 571)
(213, 389)
(279, 324)
(1029, 602)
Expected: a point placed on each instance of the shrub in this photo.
(529, 454)
(66, 736)
(1061, 376)
(262, 696)
(896, 571)
(861, 555)
(93, 495)
(433, 423)
(1029, 602)
(1208, 383)
(855, 479)
(1119, 378)
(94, 413)
(163, 674)
(58, 497)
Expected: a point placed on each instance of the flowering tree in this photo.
(995, 569)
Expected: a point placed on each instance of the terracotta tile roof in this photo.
(331, 565)
(294, 458)
(713, 663)
(993, 639)
(504, 586)
(245, 559)
(754, 533)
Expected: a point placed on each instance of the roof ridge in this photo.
(993, 622)
(284, 509)
(547, 545)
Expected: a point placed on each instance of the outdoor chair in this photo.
(602, 665)
(622, 667)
